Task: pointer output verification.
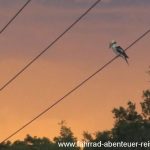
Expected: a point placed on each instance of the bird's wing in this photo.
(121, 51)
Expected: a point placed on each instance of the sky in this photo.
(81, 52)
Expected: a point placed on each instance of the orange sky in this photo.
(76, 56)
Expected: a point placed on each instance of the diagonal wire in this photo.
(74, 89)
(50, 45)
(13, 18)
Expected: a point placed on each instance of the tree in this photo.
(66, 135)
(35, 143)
(20, 145)
(102, 137)
(129, 125)
(146, 105)
(5, 146)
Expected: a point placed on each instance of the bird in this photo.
(118, 50)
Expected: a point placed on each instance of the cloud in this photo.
(111, 2)
(76, 3)
(123, 3)
(66, 2)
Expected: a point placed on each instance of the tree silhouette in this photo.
(35, 143)
(39, 143)
(129, 126)
(5, 146)
(146, 105)
(66, 135)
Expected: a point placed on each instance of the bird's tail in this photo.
(126, 59)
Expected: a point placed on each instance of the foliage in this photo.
(129, 126)
(66, 135)
(35, 143)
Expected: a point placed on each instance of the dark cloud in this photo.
(10, 2)
(86, 2)
(80, 3)
(65, 3)
(126, 2)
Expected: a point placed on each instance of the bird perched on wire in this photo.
(118, 50)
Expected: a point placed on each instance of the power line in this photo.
(74, 89)
(50, 45)
(13, 18)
